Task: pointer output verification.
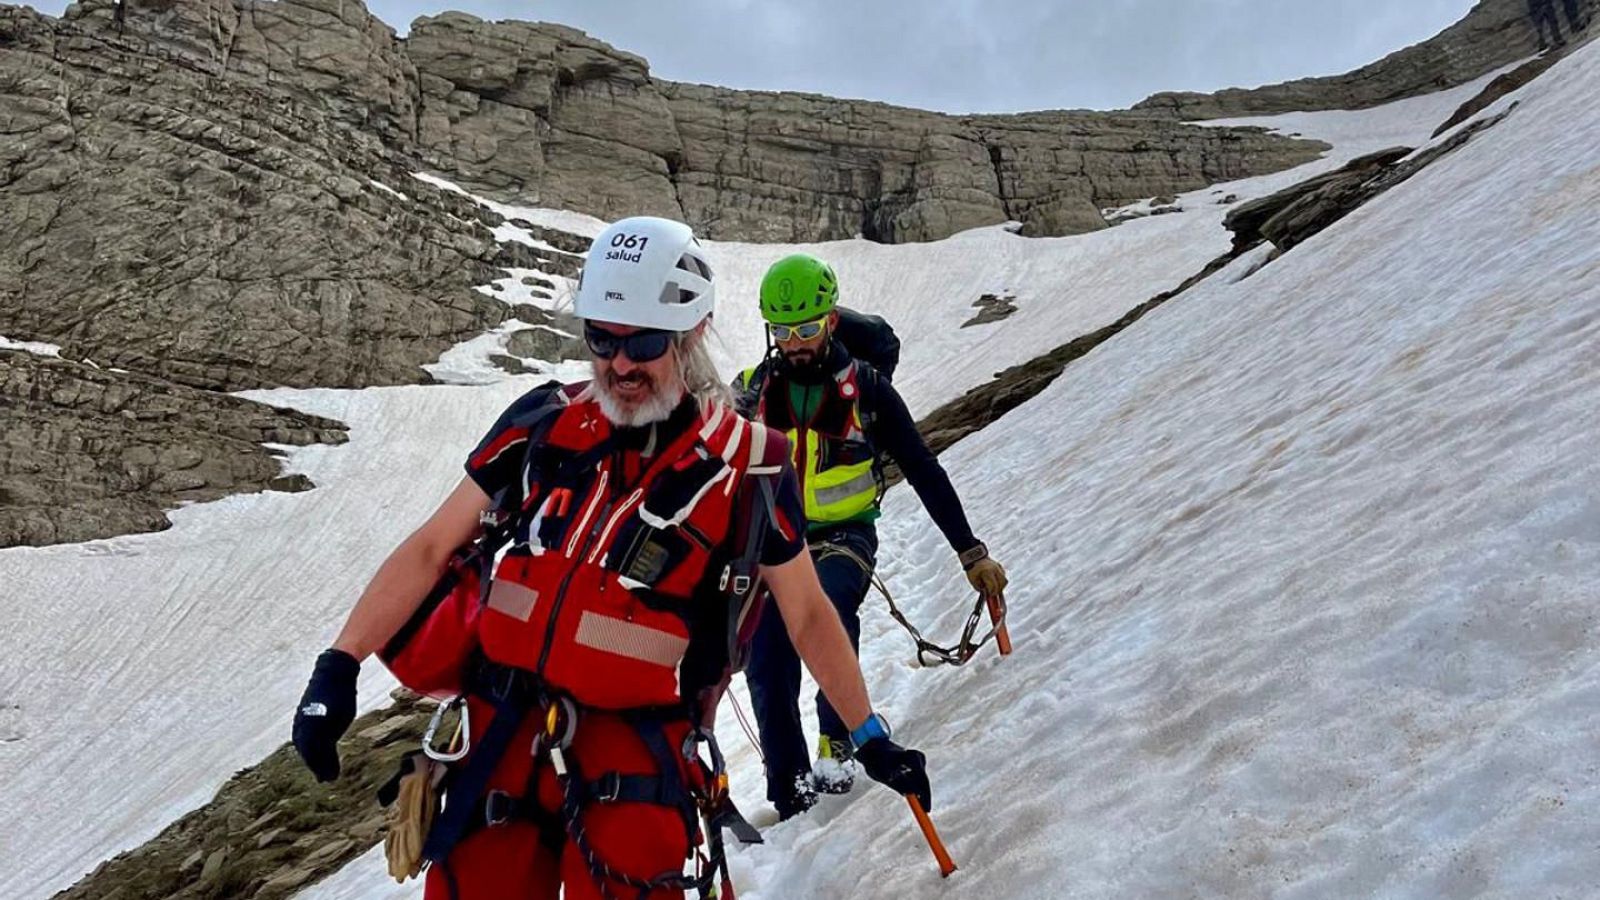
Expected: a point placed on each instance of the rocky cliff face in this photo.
(189, 193)
(180, 231)
(546, 112)
(88, 453)
(210, 230)
(1495, 33)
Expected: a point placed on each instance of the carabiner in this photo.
(561, 722)
(463, 731)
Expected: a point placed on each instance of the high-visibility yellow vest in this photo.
(836, 463)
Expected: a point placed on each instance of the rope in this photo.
(963, 652)
(959, 655)
(744, 723)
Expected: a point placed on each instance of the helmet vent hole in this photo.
(694, 265)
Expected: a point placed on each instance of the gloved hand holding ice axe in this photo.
(906, 772)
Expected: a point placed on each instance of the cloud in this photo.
(980, 55)
(973, 55)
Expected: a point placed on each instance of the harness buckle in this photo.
(607, 788)
(741, 585)
(498, 807)
(722, 582)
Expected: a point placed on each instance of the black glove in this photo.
(904, 771)
(326, 709)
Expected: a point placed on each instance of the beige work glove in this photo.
(410, 817)
(987, 576)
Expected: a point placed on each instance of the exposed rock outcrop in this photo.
(211, 230)
(1495, 33)
(1299, 211)
(546, 112)
(90, 453)
(1500, 87)
(1296, 214)
(271, 829)
(991, 308)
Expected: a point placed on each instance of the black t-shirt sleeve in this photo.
(496, 462)
(786, 536)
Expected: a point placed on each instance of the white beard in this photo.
(654, 409)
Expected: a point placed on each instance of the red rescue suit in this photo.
(590, 614)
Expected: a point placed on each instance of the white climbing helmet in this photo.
(648, 273)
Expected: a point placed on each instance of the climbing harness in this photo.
(666, 788)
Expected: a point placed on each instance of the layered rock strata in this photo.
(211, 230)
(89, 453)
(542, 111)
(1495, 33)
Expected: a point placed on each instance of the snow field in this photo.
(1304, 574)
(1305, 569)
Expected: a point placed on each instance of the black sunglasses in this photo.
(641, 346)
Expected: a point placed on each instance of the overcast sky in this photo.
(979, 55)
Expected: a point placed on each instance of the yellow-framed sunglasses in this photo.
(805, 331)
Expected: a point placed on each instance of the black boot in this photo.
(796, 801)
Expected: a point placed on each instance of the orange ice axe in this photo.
(997, 611)
(946, 864)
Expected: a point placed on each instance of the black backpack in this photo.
(869, 338)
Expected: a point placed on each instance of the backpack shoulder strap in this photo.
(860, 384)
(500, 520)
(754, 508)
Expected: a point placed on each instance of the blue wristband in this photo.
(874, 727)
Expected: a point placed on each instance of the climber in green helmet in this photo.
(842, 417)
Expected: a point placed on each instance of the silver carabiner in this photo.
(463, 730)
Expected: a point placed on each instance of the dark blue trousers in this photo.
(773, 674)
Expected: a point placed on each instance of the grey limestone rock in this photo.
(1494, 33)
(89, 453)
(547, 114)
(212, 230)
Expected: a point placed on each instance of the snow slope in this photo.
(203, 634)
(1306, 575)
(1306, 569)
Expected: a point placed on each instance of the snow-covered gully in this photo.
(1305, 562)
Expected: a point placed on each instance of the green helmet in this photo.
(798, 288)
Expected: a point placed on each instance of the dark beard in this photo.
(810, 366)
(801, 359)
